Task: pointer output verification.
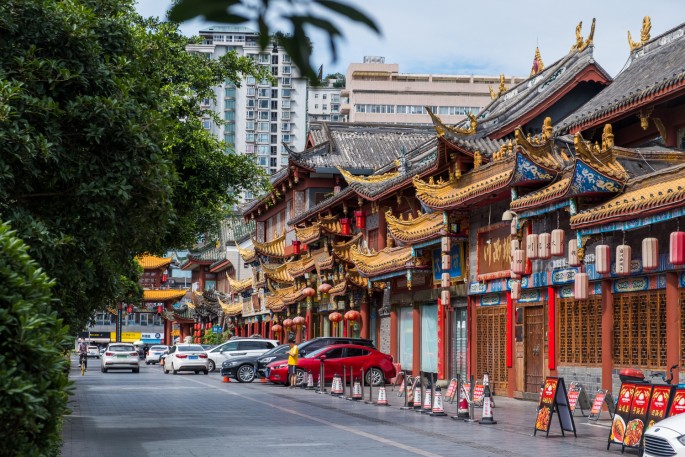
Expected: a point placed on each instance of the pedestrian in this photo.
(83, 353)
(293, 355)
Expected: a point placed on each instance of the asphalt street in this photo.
(152, 414)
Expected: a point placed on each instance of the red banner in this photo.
(658, 406)
(678, 405)
(573, 395)
(638, 415)
(618, 426)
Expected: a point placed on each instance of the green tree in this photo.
(102, 151)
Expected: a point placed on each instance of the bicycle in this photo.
(82, 363)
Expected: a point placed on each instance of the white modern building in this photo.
(259, 117)
(323, 102)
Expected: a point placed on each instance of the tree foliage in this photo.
(102, 151)
(302, 16)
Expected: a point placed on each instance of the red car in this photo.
(377, 366)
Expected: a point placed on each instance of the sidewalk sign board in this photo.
(658, 405)
(451, 390)
(554, 399)
(578, 397)
(623, 405)
(678, 403)
(635, 424)
(603, 397)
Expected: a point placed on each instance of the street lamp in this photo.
(509, 215)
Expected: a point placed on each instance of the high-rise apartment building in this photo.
(377, 92)
(323, 102)
(259, 116)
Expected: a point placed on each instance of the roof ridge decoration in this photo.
(232, 309)
(248, 255)
(342, 250)
(274, 300)
(601, 158)
(371, 179)
(385, 261)
(581, 44)
(330, 224)
(644, 35)
(441, 127)
(152, 295)
(355, 279)
(278, 272)
(308, 234)
(238, 286)
(538, 65)
(500, 90)
(414, 230)
(539, 148)
(153, 262)
(273, 248)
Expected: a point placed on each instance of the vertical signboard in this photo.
(635, 425)
(554, 398)
(623, 404)
(678, 403)
(658, 405)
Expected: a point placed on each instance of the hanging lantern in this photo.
(446, 244)
(296, 247)
(287, 323)
(298, 321)
(518, 262)
(532, 246)
(445, 280)
(352, 315)
(446, 261)
(165, 276)
(344, 226)
(196, 326)
(335, 317)
(209, 325)
(573, 253)
(545, 246)
(515, 244)
(515, 289)
(308, 292)
(324, 288)
(623, 254)
(445, 298)
(557, 242)
(276, 328)
(582, 284)
(360, 219)
(602, 259)
(650, 254)
(676, 251)
(159, 309)
(514, 226)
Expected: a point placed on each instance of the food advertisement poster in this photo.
(678, 404)
(597, 404)
(451, 390)
(545, 408)
(638, 415)
(658, 406)
(623, 404)
(573, 394)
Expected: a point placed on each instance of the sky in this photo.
(482, 37)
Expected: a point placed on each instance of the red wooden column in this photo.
(511, 369)
(308, 322)
(264, 329)
(551, 331)
(416, 340)
(607, 334)
(364, 316)
(672, 323)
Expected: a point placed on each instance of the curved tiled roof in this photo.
(413, 230)
(273, 248)
(386, 260)
(279, 273)
(163, 295)
(239, 286)
(342, 250)
(151, 262)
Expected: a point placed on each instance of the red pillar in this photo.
(393, 334)
(472, 343)
(308, 321)
(416, 340)
(551, 331)
(672, 323)
(364, 315)
(511, 370)
(264, 329)
(607, 334)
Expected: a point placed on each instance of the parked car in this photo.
(186, 357)
(238, 348)
(93, 351)
(666, 437)
(321, 341)
(246, 369)
(120, 356)
(155, 353)
(377, 366)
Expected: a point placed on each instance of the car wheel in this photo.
(173, 370)
(136, 370)
(147, 363)
(212, 365)
(206, 372)
(197, 371)
(245, 373)
(301, 377)
(375, 377)
(103, 369)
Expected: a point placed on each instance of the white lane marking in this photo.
(296, 444)
(370, 436)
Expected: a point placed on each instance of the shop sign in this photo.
(490, 300)
(566, 292)
(152, 336)
(456, 263)
(129, 337)
(478, 288)
(565, 276)
(176, 332)
(631, 284)
(529, 296)
(494, 251)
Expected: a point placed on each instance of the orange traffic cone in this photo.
(382, 400)
(438, 410)
(227, 379)
(487, 418)
(357, 390)
(463, 406)
(417, 398)
(427, 402)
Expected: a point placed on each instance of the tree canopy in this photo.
(102, 151)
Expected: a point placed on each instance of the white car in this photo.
(120, 356)
(186, 357)
(155, 353)
(666, 437)
(93, 351)
(234, 348)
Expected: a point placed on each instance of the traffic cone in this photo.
(357, 390)
(382, 401)
(262, 380)
(336, 388)
(438, 410)
(310, 381)
(463, 407)
(417, 398)
(487, 418)
(227, 379)
(427, 402)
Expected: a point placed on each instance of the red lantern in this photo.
(209, 325)
(298, 321)
(557, 242)
(518, 262)
(446, 262)
(445, 280)
(324, 288)
(532, 246)
(515, 290)
(573, 253)
(165, 277)
(335, 317)
(344, 226)
(352, 315)
(650, 254)
(360, 217)
(623, 254)
(545, 246)
(159, 309)
(676, 252)
(602, 259)
(308, 292)
(582, 284)
(296, 247)
(276, 328)
(446, 244)
(288, 323)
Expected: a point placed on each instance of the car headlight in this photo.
(228, 364)
(681, 438)
(266, 359)
(279, 367)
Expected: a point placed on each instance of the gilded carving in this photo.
(350, 178)
(538, 65)
(441, 128)
(644, 35)
(602, 160)
(581, 44)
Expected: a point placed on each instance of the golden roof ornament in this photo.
(477, 160)
(607, 137)
(538, 66)
(500, 90)
(441, 128)
(581, 44)
(644, 35)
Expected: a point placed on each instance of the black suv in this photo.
(246, 368)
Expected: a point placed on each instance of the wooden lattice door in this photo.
(491, 345)
(534, 343)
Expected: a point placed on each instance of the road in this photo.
(152, 414)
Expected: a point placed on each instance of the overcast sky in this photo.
(481, 37)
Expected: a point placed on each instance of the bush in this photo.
(33, 380)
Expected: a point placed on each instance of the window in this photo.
(251, 91)
(251, 103)
(274, 116)
(229, 127)
(254, 345)
(263, 138)
(229, 138)
(357, 352)
(264, 58)
(229, 115)
(287, 70)
(264, 104)
(336, 353)
(285, 127)
(249, 149)
(229, 92)
(324, 96)
(285, 115)
(264, 116)
(429, 338)
(274, 128)
(263, 149)
(335, 98)
(250, 114)
(274, 150)
(274, 71)
(316, 106)
(286, 138)
(285, 92)
(406, 337)
(265, 93)
(205, 102)
(143, 319)
(263, 127)
(274, 93)
(249, 125)
(230, 104)
(376, 109)
(273, 161)
(285, 81)
(335, 107)
(324, 107)
(274, 59)
(263, 161)
(206, 124)
(274, 139)
(286, 59)
(285, 104)
(284, 160)
(250, 80)
(249, 137)
(274, 104)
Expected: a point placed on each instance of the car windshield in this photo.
(312, 355)
(92, 347)
(158, 348)
(277, 350)
(191, 348)
(121, 348)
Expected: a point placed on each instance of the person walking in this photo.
(82, 353)
(293, 355)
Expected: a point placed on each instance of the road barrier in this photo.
(382, 400)
(438, 410)
(310, 381)
(487, 418)
(337, 388)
